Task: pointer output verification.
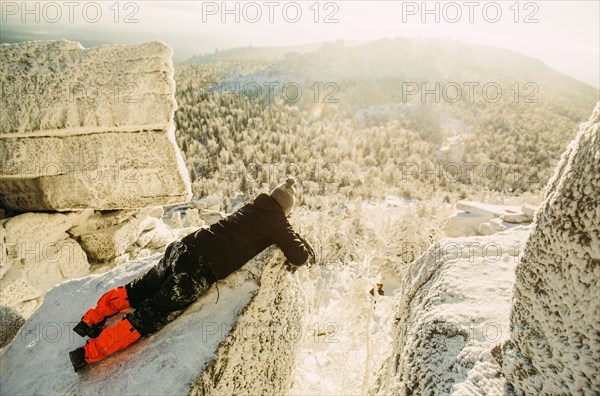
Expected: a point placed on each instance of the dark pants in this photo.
(162, 293)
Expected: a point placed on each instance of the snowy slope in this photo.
(37, 361)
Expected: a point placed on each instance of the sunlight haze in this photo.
(563, 34)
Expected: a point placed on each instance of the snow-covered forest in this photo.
(362, 128)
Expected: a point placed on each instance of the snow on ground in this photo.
(166, 363)
(478, 218)
(348, 335)
(347, 339)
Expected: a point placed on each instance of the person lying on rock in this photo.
(187, 270)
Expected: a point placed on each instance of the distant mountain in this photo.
(244, 53)
(388, 65)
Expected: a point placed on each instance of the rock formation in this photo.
(88, 128)
(471, 323)
(555, 319)
(259, 354)
(453, 310)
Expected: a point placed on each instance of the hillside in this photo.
(358, 127)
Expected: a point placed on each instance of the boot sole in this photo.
(76, 362)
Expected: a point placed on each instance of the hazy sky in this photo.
(563, 34)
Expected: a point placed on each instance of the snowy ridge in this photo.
(555, 348)
(453, 309)
(166, 363)
(259, 355)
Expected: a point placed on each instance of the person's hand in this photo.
(312, 258)
(291, 268)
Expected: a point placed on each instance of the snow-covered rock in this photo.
(157, 238)
(192, 218)
(453, 309)
(105, 236)
(528, 210)
(88, 128)
(166, 363)
(486, 209)
(36, 254)
(259, 355)
(453, 152)
(491, 227)
(471, 215)
(517, 218)
(10, 322)
(555, 347)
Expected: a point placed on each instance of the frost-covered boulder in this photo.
(156, 238)
(88, 128)
(473, 218)
(555, 319)
(491, 227)
(259, 355)
(36, 253)
(106, 236)
(453, 310)
(528, 210)
(517, 218)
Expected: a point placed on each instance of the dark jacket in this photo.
(230, 243)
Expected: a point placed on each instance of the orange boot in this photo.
(111, 340)
(112, 302)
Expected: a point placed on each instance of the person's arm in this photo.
(312, 257)
(291, 245)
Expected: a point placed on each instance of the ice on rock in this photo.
(88, 128)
